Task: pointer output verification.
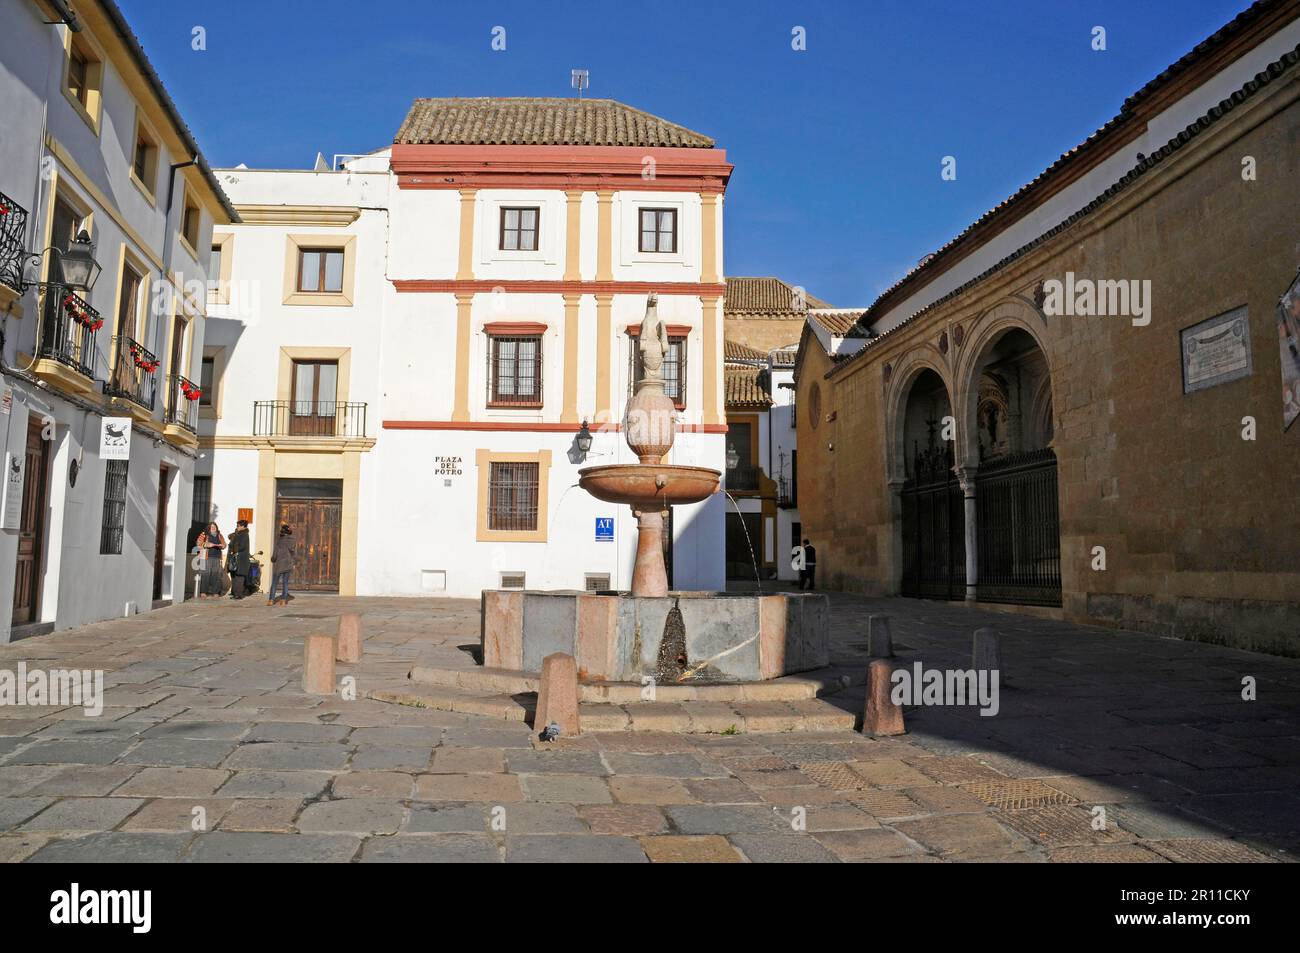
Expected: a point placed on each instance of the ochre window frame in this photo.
(516, 330)
(484, 460)
(219, 285)
(294, 244)
(148, 182)
(92, 109)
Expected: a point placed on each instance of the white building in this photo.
(404, 351)
(93, 143)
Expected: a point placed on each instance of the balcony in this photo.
(13, 230)
(67, 353)
(134, 378)
(787, 493)
(742, 478)
(323, 420)
(181, 417)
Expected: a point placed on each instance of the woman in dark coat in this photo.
(237, 560)
(282, 564)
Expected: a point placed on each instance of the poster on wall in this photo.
(1216, 351)
(115, 438)
(13, 491)
(1288, 335)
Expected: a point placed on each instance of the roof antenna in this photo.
(578, 80)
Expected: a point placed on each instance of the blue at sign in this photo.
(604, 528)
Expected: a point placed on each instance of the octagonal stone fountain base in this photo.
(729, 637)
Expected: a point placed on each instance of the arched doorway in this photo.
(933, 523)
(1017, 519)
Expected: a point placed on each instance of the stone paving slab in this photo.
(205, 711)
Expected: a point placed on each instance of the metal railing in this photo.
(182, 402)
(13, 230)
(742, 477)
(1018, 522)
(301, 418)
(69, 331)
(787, 492)
(135, 373)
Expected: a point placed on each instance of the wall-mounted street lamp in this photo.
(74, 268)
(733, 458)
(582, 442)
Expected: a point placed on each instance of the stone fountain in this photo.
(670, 637)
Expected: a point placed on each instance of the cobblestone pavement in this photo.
(204, 711)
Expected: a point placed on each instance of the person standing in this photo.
(210, 544)
(809, 572)
(282, 564)
(237, 560)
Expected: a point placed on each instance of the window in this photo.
(658, 230)
(674, 368)
(320, 270)
(519, 229)
(128, 305)
(79, 77)
(190, 223)
(512, 497)
(144, 161)
(515, 371)
(201, 513)
(314, 408)
(214, 264)
(114, 519)
(207, 376)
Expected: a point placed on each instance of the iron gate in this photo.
(934, 528)
(1018, 524)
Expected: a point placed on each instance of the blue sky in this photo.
(837, 148)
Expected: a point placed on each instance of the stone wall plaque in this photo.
(1216, 351)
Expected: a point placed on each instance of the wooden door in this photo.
(160, 535)
(317, 530)
(31, 528)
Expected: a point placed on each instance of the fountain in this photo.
(650, 632)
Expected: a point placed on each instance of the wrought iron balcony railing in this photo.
(183, 402)
(69, 331)
(742, 477)
(13, 229)
(308, 418)
(135, 373)
(787, 494)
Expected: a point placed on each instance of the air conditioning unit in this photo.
(597, 581)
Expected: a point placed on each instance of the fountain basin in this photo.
(615, 636)
(648, 485)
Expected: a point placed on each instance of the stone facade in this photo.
(1200, 527)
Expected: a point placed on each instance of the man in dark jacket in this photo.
(237, 560)
(809, 572)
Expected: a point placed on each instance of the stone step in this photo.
(712, 717)
(508, 707)
(807, 685)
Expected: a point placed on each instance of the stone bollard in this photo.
(557, 698)
(349, 641)
(881, 716)
(986, 653)
(880, 643)
(318, 665)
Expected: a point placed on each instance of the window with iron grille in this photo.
(202, 511)
(658, 230)
(674, 368)
(512, 497)
(515, 371)
(519, 229)
(114, 519)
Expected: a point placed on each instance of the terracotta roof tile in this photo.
(768, 296)
(541, 122)
(735, 351)
(744, 387)
(840, 322)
